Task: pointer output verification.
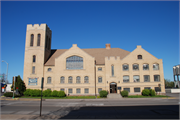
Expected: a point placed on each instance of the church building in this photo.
(79, 71)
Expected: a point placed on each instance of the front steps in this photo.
(114, 96)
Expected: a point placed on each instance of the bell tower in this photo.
(37, 51)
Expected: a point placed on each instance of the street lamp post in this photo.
(7, 71)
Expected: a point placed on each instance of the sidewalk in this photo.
(74, 100)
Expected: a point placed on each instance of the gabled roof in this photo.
(98, 53)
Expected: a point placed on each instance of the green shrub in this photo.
(47, 93)
(124, 93)
(35, 93)
(61, 94)
(152, 92)
(145, 92)
(10, 94)
(27, 92)
(54, 93)
(103, 93)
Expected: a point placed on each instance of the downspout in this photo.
(95, 78)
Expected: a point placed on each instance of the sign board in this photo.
(119, 88)
(42, 82)
(32, 81)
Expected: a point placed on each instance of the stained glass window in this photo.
(74, 62)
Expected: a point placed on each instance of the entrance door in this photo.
(113, 87)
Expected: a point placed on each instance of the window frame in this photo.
(124, 79)
(99, 79)
(86, 79)
(126, 89)
(49, 69)
(144, 68)
(33, 69)
(49, 79)
(99, 68)
(32, 40)
(86, 91)
(69, 91)
(123, 66)
(78, 92)
(78, 80)
(136, 88)
(134, 67)
(39, 39)
(136, 79)
(139, 57)
(154, 67)
(74, 63)
(158, 76)
(62, 81)
(148, 78)
(70, 80)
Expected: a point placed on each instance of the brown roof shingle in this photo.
(98, 53)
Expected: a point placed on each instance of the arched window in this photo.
(49, 69)
(70, 79)
(139, 56)
(49, 80)
(99, 79)
(62, 79)
(34, 58)
(145, 66)
(74, 62)
(155, 66)
(125, 67)
(112, 70)
(39, 39)
(32, 40)
(135, 66)
(78, 79)
(86, 79)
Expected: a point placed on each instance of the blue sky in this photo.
(123, 24)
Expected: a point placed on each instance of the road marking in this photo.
(89, 104)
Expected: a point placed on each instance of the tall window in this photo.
(78, 79)
(78, 90)
(34, 58)
(126, 78)
(145, 66)
(125, 67)
(136, 78)
(99, 79)
(155, 66)
(32, 40)
(70, 90)
(139, 56)
(135, 67)
(62, 79)
(86, 90)
(74, 62)
(70, 79)
(33, 70)
(99, 89)
(49, 80)
(39, 39)
(49, 44)
(156, 78)
(146, 78)
(112, 70)
(86, 79)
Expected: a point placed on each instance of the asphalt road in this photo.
(136, 108)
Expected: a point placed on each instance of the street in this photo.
(133, 108)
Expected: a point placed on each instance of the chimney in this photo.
(108, 46)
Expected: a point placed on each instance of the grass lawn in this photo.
(140, 96)
(67, 97)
